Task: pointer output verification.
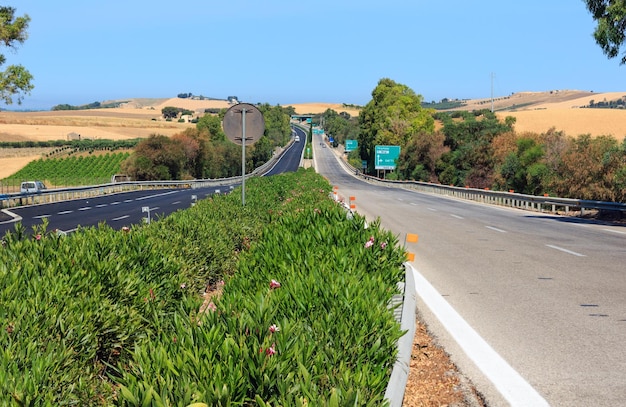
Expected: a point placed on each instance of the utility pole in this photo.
(492, 76)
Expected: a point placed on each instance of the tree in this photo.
(170, 112)
(392, 117)
(609, 33)
(15, 80)
(213, 125)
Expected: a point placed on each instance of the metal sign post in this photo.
(250, 128)
(243, 157)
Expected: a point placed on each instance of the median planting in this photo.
(281, 302)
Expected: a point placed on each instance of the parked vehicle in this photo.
(31, 187)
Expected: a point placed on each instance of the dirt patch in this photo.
(317, 108)
(433, 379)
(9, 166)
(573, 122)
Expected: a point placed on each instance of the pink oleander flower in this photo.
(221, 283)
(274, 284)
(183, 286)
(273, 328)
(383, 245)
(38, 237)
(271, 350)
(368, 244)
(212, 306)
(125, 229)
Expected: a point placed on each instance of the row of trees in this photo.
(477, 149)
(204, 152)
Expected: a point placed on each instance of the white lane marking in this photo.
(513, 387)
(566, 251)
(101, 205)
(432, 209)
(176, 203)
(115, 203)
(155, 195)
(128, 200)
(414, 204)
(496, 229)
(64, 212)
(121, 217)
(615, 231)
(456, 216)
(84, 208)
(41, 216)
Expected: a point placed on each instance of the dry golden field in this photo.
(536, 112)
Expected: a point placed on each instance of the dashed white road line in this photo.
(456, 216)
(101, 205)
(615, 231)
(496, 229)
(121, 217)
(84, 208)
(432, 209)
(155, 195)
(64, 212)
(41, 216)
(176, 203)
(565, 250)
(115, 203)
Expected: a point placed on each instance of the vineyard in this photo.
(68, 171)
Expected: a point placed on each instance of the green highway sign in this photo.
(385, 157)
(351, 145)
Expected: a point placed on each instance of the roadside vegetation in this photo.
(204, 151)
(106, 317)
(478, 150)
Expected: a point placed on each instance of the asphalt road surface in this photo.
(128, 208)
(547, 293)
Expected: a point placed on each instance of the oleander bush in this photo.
(296, 312)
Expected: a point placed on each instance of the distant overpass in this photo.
(302, 117)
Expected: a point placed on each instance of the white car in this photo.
(31, 187)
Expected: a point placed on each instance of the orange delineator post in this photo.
(410, 238)
(352, 206)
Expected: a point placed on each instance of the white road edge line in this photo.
(565, 250)
(511, 385)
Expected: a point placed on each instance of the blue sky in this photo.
(284, 52)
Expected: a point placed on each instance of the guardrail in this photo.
(82, 192)
(535, 203)
(510, 199)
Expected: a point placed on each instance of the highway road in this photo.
(546, 293)
(126, 209)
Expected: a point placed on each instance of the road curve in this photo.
(546, 293)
